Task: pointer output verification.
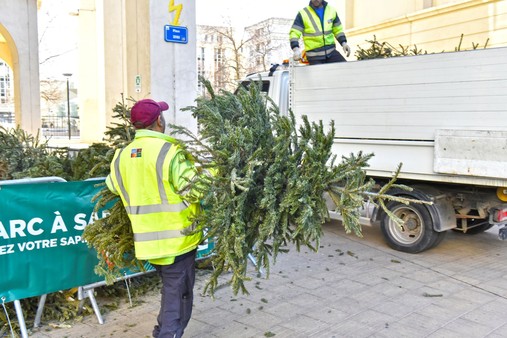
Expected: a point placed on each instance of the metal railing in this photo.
(59, 126)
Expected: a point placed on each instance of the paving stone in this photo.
(499, 304)
(348, 286)
(468, 328)
(286, 310)
(422, 324)
(198, 329)
(310, 283)
(330, 315)
(388, 289)
(234, 329)
(305, 325)
(371, 319)
(394, 309)
(499, 332)
(477, 296)
(493, 320)
(348, 305)
(447, 286)
(415, 298)
(282, 332)
(240, 306)
(344, 329)
(442, 314)
(305, 299)
(446, 333)
(425, 276)
(259, 319)
(408, 282)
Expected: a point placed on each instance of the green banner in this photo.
(41, 245)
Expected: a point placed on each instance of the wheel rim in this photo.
(413, 226)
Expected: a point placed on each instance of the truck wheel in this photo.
(416, 234)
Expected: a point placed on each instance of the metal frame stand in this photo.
(84, 292)
(21, 319)
(87, 291)
(252, 259)
(40, 308)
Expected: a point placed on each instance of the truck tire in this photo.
(416, 234)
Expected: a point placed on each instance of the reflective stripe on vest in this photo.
(164, 205)
(320, 51)
(317, 28)
(157, 235)
(317, 34)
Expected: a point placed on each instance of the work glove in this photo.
(346, 49)
(297, 54)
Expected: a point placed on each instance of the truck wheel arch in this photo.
(440, 214)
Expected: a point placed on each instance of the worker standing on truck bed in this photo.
(319, 25)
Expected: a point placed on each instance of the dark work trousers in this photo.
(334, 56)
(177, 296)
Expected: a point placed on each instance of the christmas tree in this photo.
(271, 175)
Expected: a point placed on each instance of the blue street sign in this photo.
(176, 34)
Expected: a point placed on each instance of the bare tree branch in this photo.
(55, 56)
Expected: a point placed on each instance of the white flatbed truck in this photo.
(443, 116)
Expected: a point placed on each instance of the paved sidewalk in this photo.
(352, 287)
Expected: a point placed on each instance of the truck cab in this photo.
(275, 84)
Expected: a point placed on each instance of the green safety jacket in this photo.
(318, 36)
(142, 175)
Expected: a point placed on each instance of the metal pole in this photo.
(67, 75)
(40, 308)
(68, 108)
(21, 319)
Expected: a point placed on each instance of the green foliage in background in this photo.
(24, 155)
(382, 50)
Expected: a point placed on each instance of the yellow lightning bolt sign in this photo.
(177, 9)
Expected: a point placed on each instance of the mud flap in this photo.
(502, 233)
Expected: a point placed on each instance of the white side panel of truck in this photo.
(439, 114)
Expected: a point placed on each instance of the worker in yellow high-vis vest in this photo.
(319, 25)
(152, 177)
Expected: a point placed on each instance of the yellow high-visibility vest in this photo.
(140, 175)
(316, 34)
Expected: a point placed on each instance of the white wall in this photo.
(174, 65)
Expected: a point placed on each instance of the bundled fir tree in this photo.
(271, 181)
(271, 176)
